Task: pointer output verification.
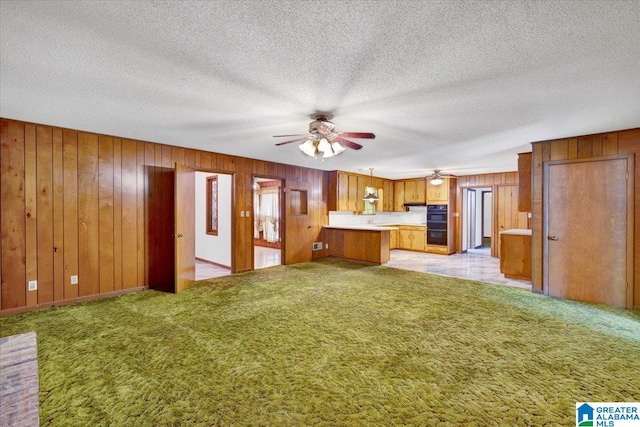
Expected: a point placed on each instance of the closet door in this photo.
(588, 229)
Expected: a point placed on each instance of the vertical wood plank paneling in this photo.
(70, 177)
(559, 149)
(610, 144)
(88, 214)
(178, 155)
(573, 148)
(117, 214)
(129, 215)
(585, 147)
(536, 220)
(140, 164)
(190, 158)
(205, 160)
(12, 220)
(597, 145)
(105, 213)
(30, 194)
(44, 207)
(58, 216)
(149, 212)
(629, 142)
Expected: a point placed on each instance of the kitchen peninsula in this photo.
(368, 243)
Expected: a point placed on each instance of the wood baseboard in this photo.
(226, 267)
(18, 310)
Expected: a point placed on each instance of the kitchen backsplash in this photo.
(416, 215)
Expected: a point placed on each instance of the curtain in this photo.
(269, 217)
(256, 215)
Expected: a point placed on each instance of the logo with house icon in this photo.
(584, 415)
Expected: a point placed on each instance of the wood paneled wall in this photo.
(581, 147)
(493, 181)
(101, 208)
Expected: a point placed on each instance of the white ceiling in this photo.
(452, 85)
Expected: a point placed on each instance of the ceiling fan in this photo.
(322, 139)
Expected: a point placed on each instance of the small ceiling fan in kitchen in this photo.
(323, 140)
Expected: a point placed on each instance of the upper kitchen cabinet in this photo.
(398, 196)
(524, 182)
(415, 191)
(388, 200)
(347, 190)
(441, 193)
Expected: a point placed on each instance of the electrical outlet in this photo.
(74, 280)
(33, 285)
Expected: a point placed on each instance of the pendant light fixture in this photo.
(436, 178)
(371, 197)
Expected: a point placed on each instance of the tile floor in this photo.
(263, 257)
(476, 264)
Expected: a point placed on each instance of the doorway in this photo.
(213, 228)
(267, 222)
(476, 220)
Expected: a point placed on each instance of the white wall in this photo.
(214, 248)
(487, 214)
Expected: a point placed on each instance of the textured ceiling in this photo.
(458, 86)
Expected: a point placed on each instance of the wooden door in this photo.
(410, 191)
(298, 223)
(184, 232)
(588, 229)
(506, 214)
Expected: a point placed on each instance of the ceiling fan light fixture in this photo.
(308, 148)
(436, 178)
(337, 148)
(324, 146)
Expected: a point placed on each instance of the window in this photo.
(212, 205)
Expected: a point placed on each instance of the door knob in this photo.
(552, 237)
(179, 235)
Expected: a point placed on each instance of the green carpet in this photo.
(331, 343)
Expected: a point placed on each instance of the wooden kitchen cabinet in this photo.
(346, 191)
(414, 190)
(524, 182)
(388, 201)
(438, 193)
(393, 239)
(398, 196)
(412, 238)
(515, 253)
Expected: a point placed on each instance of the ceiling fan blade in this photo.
(347, 143)
(365, 135)
(291, 140)
(300, 134)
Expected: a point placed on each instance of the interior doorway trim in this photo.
(232, 207)
(283, 233)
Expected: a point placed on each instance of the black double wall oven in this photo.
(437, 225)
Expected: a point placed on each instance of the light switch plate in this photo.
(74, 280)
(33, 285)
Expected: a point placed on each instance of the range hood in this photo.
(415, 204)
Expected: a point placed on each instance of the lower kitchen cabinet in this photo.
(412, 238)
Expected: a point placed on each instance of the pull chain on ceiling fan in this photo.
(324, 141)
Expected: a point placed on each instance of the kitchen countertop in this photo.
(367, 227)
(517, 232)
